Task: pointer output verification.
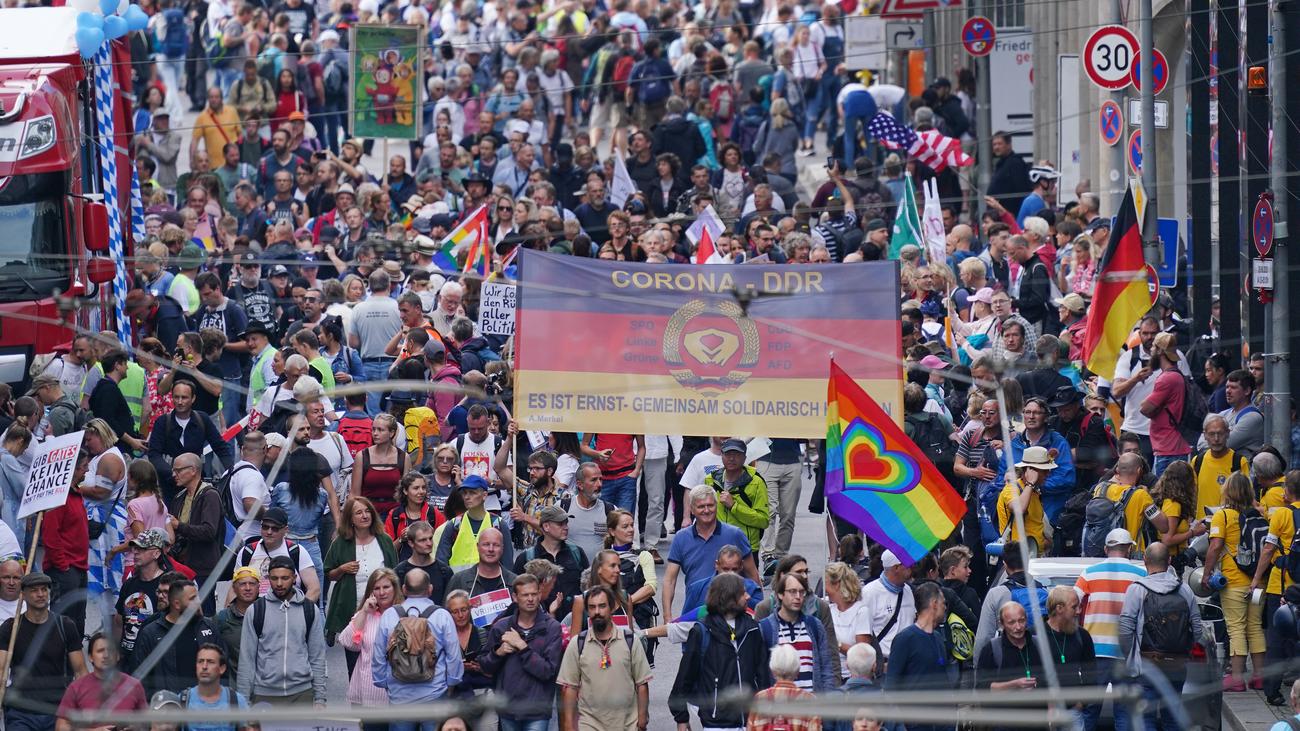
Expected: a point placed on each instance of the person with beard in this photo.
(724, 650)
(282, 655)
(174, 670)
(1072, 651)
(591, 697)
(523, 652)
(251, 292)
(1085, 432)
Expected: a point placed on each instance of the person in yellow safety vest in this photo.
(258, 337)
(458, 547)
(306, 344)
(132, 386)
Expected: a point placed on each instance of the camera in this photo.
(495, 384)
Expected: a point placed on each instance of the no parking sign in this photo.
(1111, 122)
(1135, 152)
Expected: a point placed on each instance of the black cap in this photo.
(255, 327)
(275, 515)
(328, 235)
(734, 445)
(476, 176)
(248, 259)
(876, 224)
(564, 149)
(35, 579)
(1099, 223)
(1065, 395)
(402, 397)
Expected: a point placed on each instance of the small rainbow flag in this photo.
(475, 227)
(468, 233)
(877, 478)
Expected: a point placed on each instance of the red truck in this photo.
(55, 267)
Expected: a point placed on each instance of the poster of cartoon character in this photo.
(387, 81)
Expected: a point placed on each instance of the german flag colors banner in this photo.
(1122, 294)
(628, 348)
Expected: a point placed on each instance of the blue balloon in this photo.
(89, 41)
(90, 20)
(114, 26)
(108, 7)
(136, 19)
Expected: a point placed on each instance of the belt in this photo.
(379, 359)
(301, 539)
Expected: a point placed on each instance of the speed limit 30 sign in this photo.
(1109, 55)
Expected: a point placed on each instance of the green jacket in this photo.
(343, 600)
(749, 512)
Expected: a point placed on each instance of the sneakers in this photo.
(1256, 683)
(1275, 700)
(1232, 685)
(654, 553)
(806, 152)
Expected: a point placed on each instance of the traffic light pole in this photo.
(1278, 360)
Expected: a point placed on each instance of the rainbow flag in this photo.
(467, 233)
(473, 231)
(878, 479)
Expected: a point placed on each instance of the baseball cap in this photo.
(296, 116)
(552, 514)
(279, 270)
(935, 363)
(248, 259)
(474, 482)
(401, 397)
(1072, 302)
(275, 515)
(734, 445)
(151, 538)
(1119, 537)
(434, 349)
(245, 572)
(876, 224)
(1099, 222)
(422, 225)
(191, 257)
(328, 235)
(164, 699)
(328, 35)
(888, 560)
(274, 440)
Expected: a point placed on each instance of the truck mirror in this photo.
(94, 222)
(100, 270)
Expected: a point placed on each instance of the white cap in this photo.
(1118, 537)
(329, 35)
(274, 439)
(889, 560)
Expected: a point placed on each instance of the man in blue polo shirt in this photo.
(695, 548)
(729, 561)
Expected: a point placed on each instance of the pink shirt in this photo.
(1168, 397)
(147, 510)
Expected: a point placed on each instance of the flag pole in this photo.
(20, 608)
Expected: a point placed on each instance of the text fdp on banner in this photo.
(707, 350)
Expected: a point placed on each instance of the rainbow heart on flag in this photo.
(870, 465)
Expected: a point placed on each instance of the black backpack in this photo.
(1254, 529)
(259, 615)
(1166, 622)
(222, 484)
(1101, 516)
(848, 238)
(1195, 409)
(1291, 561)
(930, 436)
(1067, 531)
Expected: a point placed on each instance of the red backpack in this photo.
(355, 431)
(622, 72)
(722, 99)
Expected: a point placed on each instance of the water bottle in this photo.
(1218, 581)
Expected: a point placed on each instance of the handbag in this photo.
(96, 527)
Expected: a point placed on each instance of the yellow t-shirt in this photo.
(1174, 512)
(1281, 526)
(1274, 498)
(1210, 478)
(1134, 512)
(1033, 514)
(1225, 525)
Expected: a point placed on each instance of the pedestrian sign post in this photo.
(1108, 56)
(977, 36)
(1135, 152)
(1261, 225)
(1159, 71)
(1111, 122)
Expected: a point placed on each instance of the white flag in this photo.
(622, 188)
(936, 241)
(709, 219)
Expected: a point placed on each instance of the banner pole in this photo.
(18, 611)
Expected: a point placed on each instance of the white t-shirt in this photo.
(335, 451)
(70, 376)
(1134, 421)
(880, 603)
(476, 457)
(371, 558)
(693, 475)
(566, 471)
(9, 542)
(261, 559)
(848, 625)
(246, 483)
(8, 608)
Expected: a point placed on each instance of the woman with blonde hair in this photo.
(446, 474)
(849, 613)
(104, 492)
(383, 590)
(779, 135)
(1242, 617)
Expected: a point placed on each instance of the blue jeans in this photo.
(859, 108)
(620, 492)
(333, 125)
(16, 720)
(1156, 718)
(233, 394)
(812, 112)
(375, 370)
(1163, 462)
(226, 77)
(536, 724)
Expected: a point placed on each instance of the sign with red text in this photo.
(50, 477)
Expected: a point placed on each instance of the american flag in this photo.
(929, 146)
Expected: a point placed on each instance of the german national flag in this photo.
(1122, 295)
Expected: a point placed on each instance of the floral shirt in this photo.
(159, 403)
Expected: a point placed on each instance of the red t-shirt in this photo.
(65, 535)
(622, 460)
(1168, 396)
(87, 693)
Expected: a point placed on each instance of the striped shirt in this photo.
(1101, 587)
(796, 635)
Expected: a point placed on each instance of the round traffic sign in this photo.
(1159, 70)
(1135, 152)
(1108, 56)
(1112, 123)
(977, 36)
(1261, 226)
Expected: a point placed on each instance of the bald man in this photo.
(487, 582)
(11, 574)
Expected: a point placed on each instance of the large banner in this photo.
(386, 81)
(704, 350)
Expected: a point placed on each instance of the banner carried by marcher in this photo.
(386, 81)
(50, 477)
(661, 349)
(496, 309)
